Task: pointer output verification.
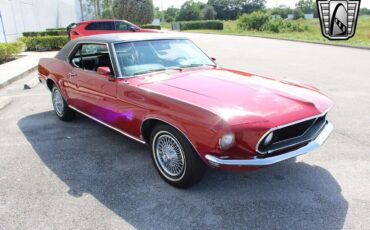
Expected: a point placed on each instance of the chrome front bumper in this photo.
(217, 162)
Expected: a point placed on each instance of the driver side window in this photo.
(91, 57)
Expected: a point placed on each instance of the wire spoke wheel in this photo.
(169, 154)
(58, 102)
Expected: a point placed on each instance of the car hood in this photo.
(239, 97)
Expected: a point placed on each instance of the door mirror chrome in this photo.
(104, 70)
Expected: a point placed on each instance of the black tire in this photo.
(192, 167)
(62, 110)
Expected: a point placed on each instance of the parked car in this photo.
(103, 26)
(162, 90)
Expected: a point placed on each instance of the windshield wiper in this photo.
(149, 71)
(196, 65)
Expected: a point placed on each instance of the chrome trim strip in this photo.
(215, 161)
(103, 123)
(286, 125)
(91, 42)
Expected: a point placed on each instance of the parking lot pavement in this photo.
(81, 175)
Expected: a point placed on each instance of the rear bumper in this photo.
(218, 162)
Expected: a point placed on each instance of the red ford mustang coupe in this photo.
(162, 90)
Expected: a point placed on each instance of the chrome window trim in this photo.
(109, 126)
(91, 42)
(289, 124)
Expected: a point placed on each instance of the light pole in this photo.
(162, 12)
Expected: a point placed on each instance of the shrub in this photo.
(9, 50)
(274, 25)
(196, 25)
(44, 43)
(45, 33)
(56, 29)
(253, 21)
(280, 26)
(156, 27)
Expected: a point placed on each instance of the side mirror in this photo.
(104, 70)
(213, 59)
(132, 28)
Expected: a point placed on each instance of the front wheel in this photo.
(175, 158)
(61, 108)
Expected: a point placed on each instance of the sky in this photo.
(270, 3)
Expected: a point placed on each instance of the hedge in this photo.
(262, 21)
(9, 50)
(155, 27)
(45, 33)
(205, 24)
(44, 43)
(56, 29)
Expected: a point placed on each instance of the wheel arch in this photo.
(149, 123)
(51, 81)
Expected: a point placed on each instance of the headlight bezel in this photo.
(226, 141)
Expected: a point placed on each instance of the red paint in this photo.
(203, 103)
(81, 28)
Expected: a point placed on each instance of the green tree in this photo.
(308, 7)
(282, 10)
(249, 6)
(190, 10)
(107, 9)
(171, 14)
(157, 13)
(136, 11)
(298, 13)
(364, 11)
(231, 9)
(209, 13)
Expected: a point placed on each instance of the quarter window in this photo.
(91, 57)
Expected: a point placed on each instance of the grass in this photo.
(361, 39)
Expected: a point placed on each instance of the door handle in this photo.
(70, 74)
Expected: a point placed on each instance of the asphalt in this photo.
(81, 175)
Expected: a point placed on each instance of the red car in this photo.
(162, 90)
(103, 26)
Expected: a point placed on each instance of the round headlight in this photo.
(226, 141)
(268, 139)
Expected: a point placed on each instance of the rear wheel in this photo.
(61, 108)
(175, 158)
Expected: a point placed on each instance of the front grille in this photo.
(293, 135)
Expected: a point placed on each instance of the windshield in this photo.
(140, 57)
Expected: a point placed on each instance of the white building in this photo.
(17, 16)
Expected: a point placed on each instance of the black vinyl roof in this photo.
(116, 37)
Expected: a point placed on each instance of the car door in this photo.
(91, 90)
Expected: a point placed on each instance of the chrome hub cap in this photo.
(58, 102)
(170, 155)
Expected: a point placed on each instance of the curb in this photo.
(17, 77)
(288, 39)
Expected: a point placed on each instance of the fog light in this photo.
(226, 141)
(268, 139)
